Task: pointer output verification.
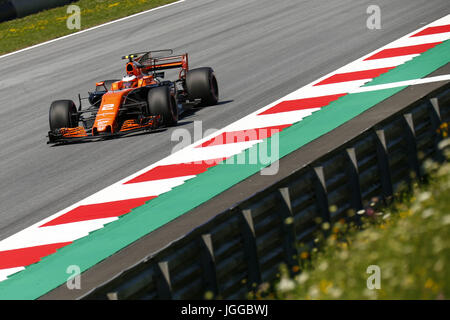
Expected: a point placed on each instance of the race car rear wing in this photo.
(152, 61)
(165, 63)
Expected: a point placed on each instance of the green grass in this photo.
(51, 24)
(409, 241)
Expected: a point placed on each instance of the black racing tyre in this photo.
(201, 83)
(63, 114)
(161, 102)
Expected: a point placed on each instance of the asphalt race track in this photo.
(260, 49)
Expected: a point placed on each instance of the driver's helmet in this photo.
(129, 81)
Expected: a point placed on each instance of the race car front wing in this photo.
(80, 133)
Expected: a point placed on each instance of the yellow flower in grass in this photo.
(343, 245)
(429, 283)
(403, 214)
(114, 4)
(325, 286)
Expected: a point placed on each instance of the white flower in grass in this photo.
(335, 292)
(286, 285)
(314, 292)
(302, 278)
(344, 255)
(439, 266)
(438, 244)
(427, 213)
(446, 219)
(323, 266)
(424, 196)
(444, 144)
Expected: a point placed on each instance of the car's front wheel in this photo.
(161, 102)
(63, 114)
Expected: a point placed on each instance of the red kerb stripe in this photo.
(352, 76)
(175, 170)
(433, 30)
(98, 211)
(302, 104)
(402, 51)
(26, 256)
(243, 135)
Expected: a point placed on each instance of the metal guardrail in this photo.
(245, 245)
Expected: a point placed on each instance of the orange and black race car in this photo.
(142, 100)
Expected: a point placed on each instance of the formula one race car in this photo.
(142, 100)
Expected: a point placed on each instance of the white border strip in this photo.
(401, 84)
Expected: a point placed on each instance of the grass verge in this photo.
(409, 242)
(50, 24)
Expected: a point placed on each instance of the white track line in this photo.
(4, 273)
(401, 84)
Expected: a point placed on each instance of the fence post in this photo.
(250, 247)
(436, 121)
(383, 165)
(288, 228)
(321, 192)
(163, 283)
(209, 264)
(353, 179)
(412, 145)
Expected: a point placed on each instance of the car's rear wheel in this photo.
(63, 114)
(201, 84)
(161, 102)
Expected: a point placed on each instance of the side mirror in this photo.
(100, 86)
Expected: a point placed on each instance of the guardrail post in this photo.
(208, 261)
(251, 251)
(288, 228)
(163, 283)
(383, 165)
(436, 121)
(412, 145)
(353, 175)
(321, 192)
(437, 112)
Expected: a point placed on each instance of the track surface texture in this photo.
(261, 50)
